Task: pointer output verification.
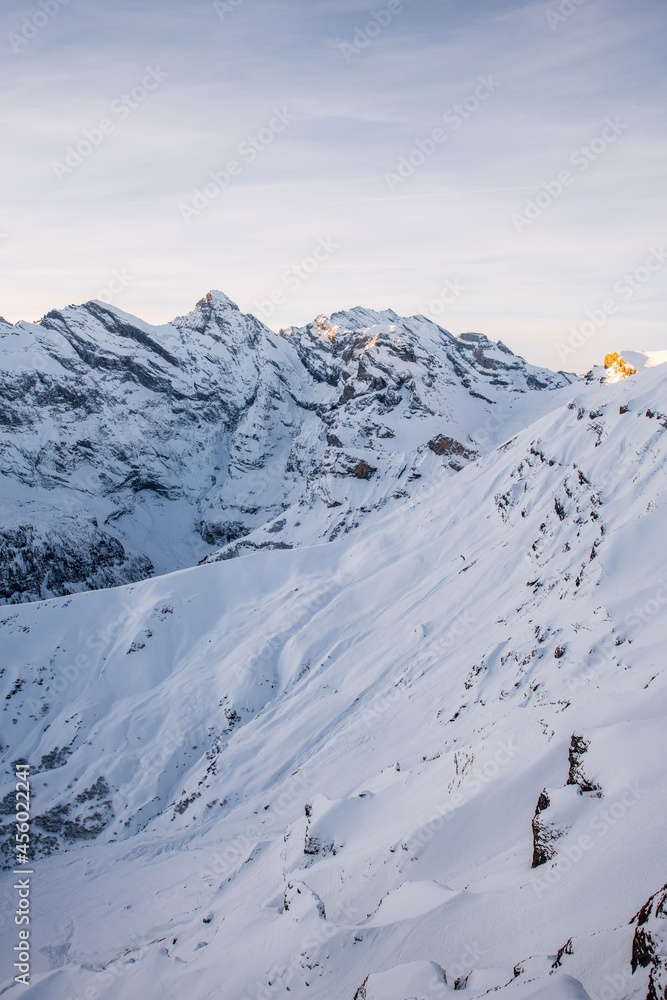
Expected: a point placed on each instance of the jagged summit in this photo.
(359, 316)
(482, 341)
(475, 338)
(617, 368)
(214, 303)
(218, 300)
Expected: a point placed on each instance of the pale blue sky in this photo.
(357, 86)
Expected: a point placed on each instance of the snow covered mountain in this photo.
(645, 359)
(618, 366)
(130, 449)
(423, 758)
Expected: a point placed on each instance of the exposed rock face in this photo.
(544, 834)
(83, 817)
(38, 564)
(565, 949)
(130, 449)
(361, 993)
(363, 470)
(617, 367)
(454, 450)
(578, 749)
(557, 808)
(649, 945)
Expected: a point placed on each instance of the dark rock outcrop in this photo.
(649, 944)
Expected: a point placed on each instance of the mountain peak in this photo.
(214, 314)
(216, 300)
(617, 367)
(359, 316)
(481, 340)
(474, 338)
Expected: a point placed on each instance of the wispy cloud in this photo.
(352, 119)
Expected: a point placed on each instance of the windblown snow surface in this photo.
(425, 757)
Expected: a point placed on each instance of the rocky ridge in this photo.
(130, 449)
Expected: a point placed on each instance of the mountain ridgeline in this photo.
(130, 450)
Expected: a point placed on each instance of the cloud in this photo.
(353, 118)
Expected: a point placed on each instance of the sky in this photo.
(499, 167)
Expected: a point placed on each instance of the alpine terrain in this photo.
(130, 450)
(337, 660)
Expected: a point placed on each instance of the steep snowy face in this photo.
(125, 445)
(426, 757)
(369, 350)
(130, 449)
(401, 404)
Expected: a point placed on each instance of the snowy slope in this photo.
(330, 770)
(645, 359)
(129, 449)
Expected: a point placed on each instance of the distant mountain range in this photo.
(130, 449)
